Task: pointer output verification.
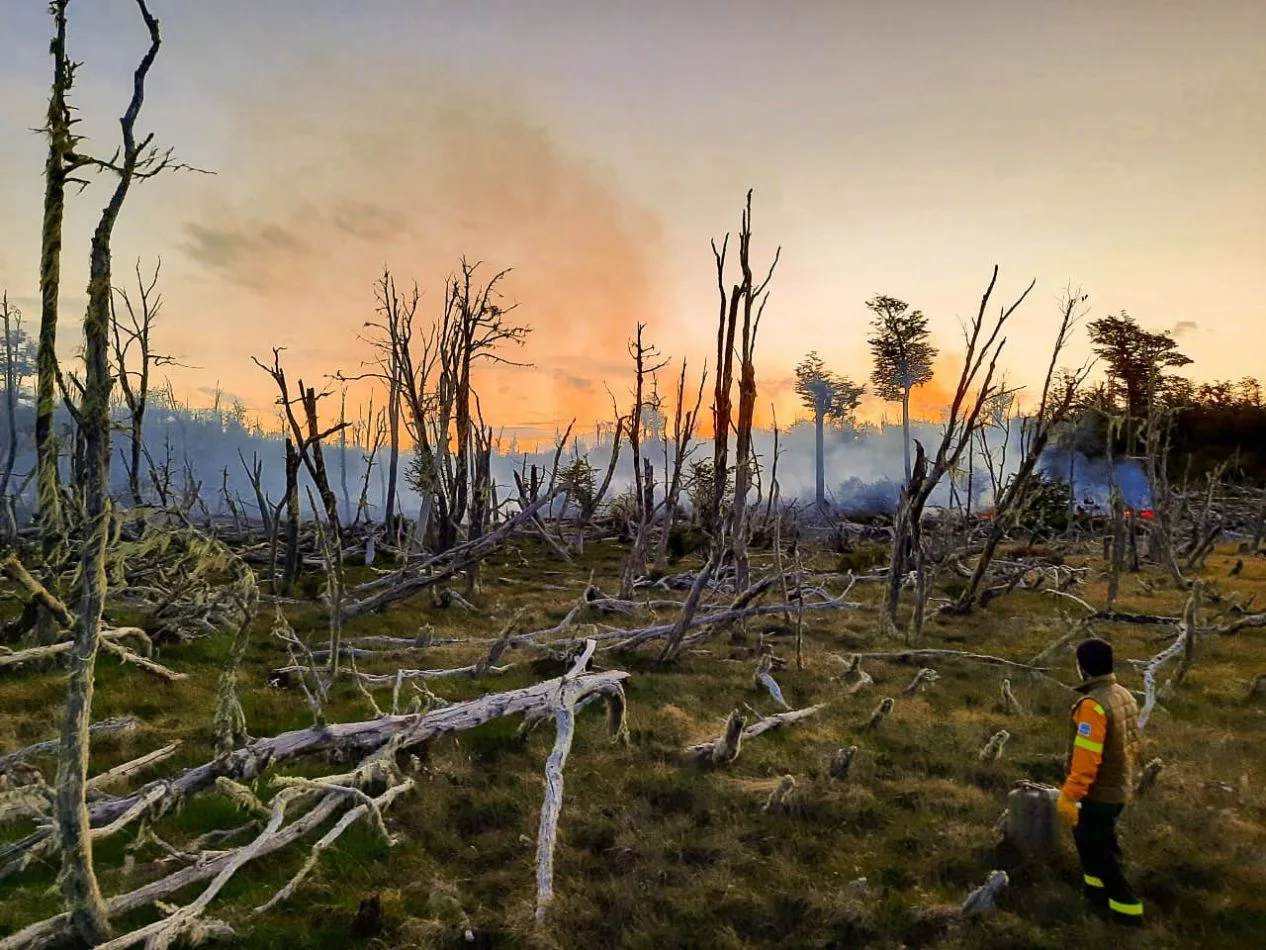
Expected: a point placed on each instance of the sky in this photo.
(596, 148)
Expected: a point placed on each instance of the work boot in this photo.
(1126, 914)
(1095, 894)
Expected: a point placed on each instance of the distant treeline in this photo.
(1209, 427)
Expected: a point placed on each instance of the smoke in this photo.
(333, 177)
(1091, 478)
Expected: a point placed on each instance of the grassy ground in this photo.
(654, 852)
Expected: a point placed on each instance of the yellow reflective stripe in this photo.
(1087, 744)
(1092, 881)
(1130, 910)
(1099, 709)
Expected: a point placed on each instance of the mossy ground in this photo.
(654, 852)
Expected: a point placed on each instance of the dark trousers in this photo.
(1106, 886)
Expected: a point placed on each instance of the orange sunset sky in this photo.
(900, 148)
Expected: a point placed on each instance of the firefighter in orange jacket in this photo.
(1103, 755)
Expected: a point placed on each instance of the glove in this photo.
(1067, 810)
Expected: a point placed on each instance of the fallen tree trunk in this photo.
(157, 798)
(918, 656)
(565, 717)
(119, 724)
(442, 566)
(109, 642)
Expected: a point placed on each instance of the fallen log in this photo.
(110, 638)
(118, 724)
(409, 581)
(156, 798)
(565, 717)
(917, 656)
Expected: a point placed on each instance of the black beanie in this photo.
(1094, 656)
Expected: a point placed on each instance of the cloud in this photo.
(1184, 328)
(562, 378)
(226, 398)
(242, 253)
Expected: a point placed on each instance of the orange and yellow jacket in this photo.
(1104, 746)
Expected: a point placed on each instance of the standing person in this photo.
(1102, 757)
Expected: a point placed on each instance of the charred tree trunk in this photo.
(393, 456)
(290, 567)
(480, 503)
(751, 298)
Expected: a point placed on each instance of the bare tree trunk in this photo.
(819, 447)
(342, 456)
(480, 501)
(976, 385)
(747, 294)
(58, 167)
(683, 433)
(254, 474)
(1161, 534)
(290, 567)
(1118, 547)
(12, 325)
(78, 881)
(393, 457)
(643, 491)
(971, 474)
(905, 427)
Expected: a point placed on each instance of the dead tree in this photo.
(618, 428)
(394, 369)
(646, 362)
(134, 379)
(436, 382)
(1119, 527)
(255, 475)
(473, 325)
(1207, 525)
(684, 422)
(984, 344)
(481, 504)
(1058, 397)
(14, 374)
(60, 166)
(377, 740)
(136, 159)
(303, 446)
(1161, 535)
(370, 434)
(342, 455)
(749, 298)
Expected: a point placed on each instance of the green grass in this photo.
(655, 852)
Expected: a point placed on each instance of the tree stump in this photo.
(1032, 826)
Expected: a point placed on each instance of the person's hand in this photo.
(1067, 810)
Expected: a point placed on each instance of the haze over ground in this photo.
(901, 148)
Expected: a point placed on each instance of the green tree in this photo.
(1136, 360)
(827, 396)
(903, 356)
